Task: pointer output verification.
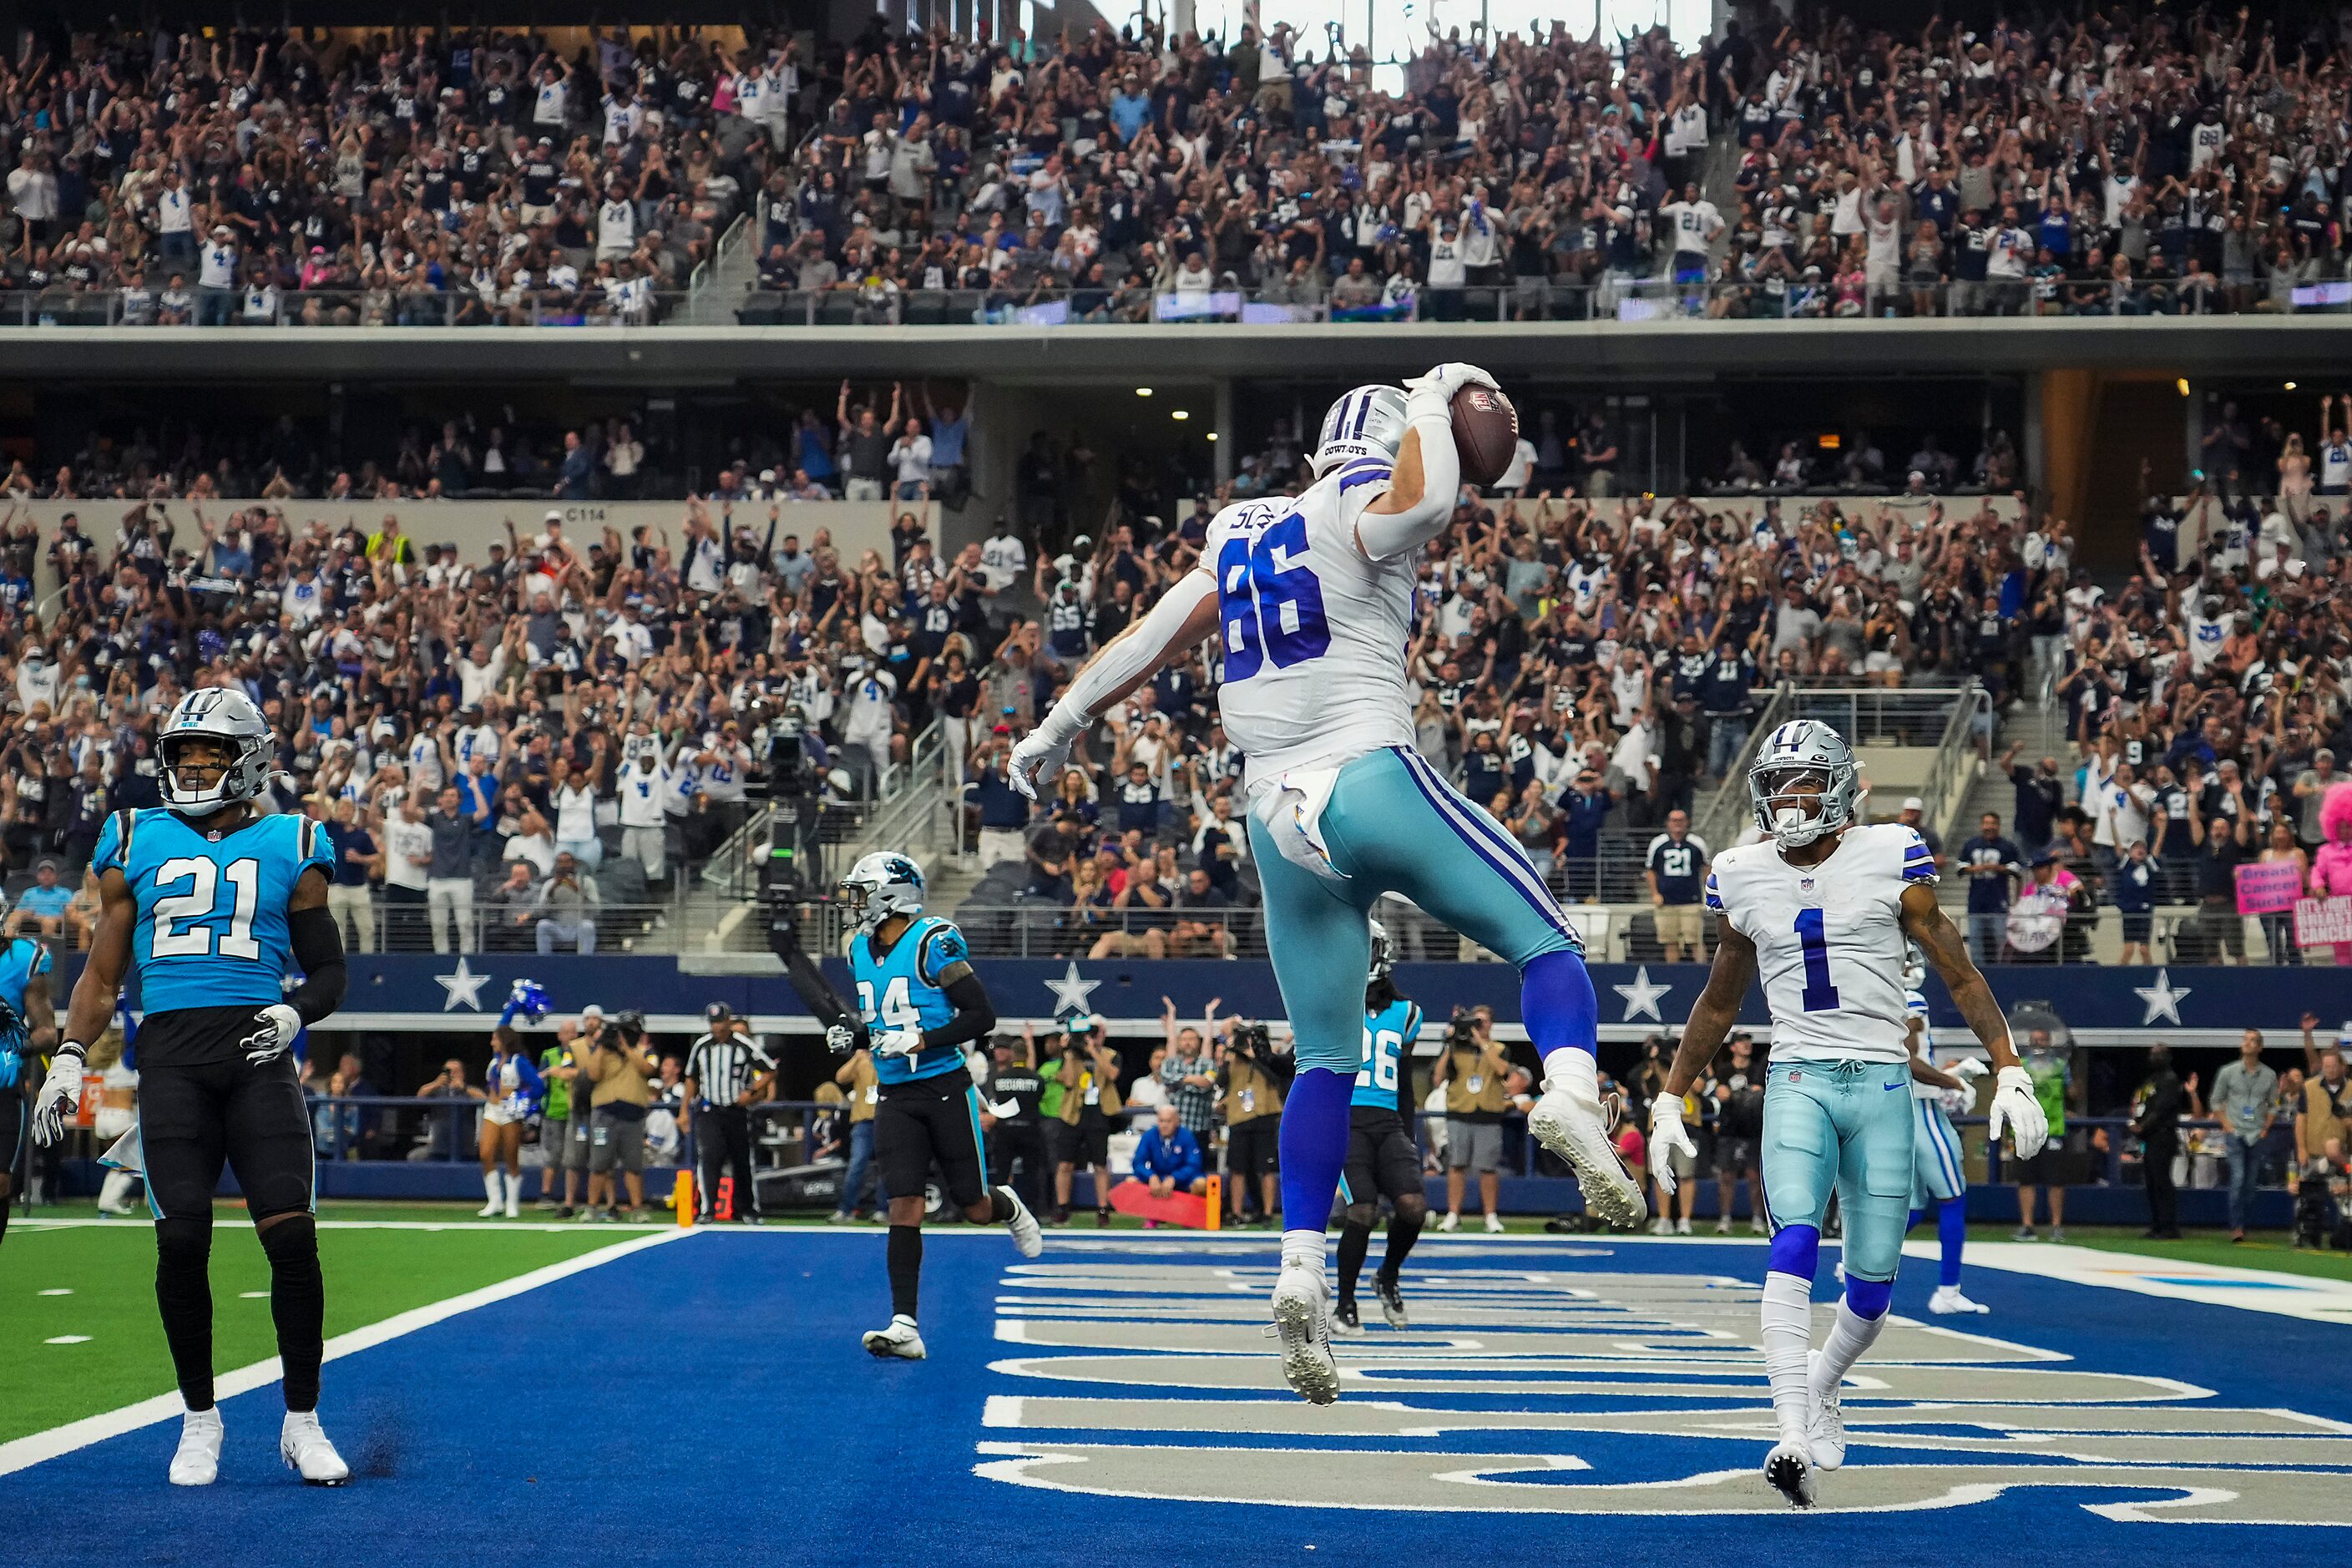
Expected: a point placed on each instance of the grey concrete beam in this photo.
(1572, 352)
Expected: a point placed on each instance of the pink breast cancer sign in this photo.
(2318, 920)
(2270, 887)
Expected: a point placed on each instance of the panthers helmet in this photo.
(228, 717)
(883, 884)
(1799, 750)
(1380, 959)
(1368, 422)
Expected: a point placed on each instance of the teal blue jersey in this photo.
(1389, 1034)
(901, 990)
(20, 962)
(211, 929)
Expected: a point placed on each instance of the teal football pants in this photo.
(1842, 1127)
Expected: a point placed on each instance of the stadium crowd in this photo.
(2121, 163)
(261, 176)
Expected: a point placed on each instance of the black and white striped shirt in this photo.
(722, 1069)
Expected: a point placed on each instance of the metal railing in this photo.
(1053, 302)
(1725, 815)
(163, 307)
(1952, 777)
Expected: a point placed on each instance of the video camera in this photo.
(1251, 1042)
(1462, 1030)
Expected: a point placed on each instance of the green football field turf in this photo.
(110, 1272)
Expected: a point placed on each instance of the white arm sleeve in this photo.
(1140, 652)
(1386, 535)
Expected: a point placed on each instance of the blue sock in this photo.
(1796, 1250)
(1557, 1004)
(1952, 1230)
(1868, 1297)
(1913, 1222)
(1314, 1145)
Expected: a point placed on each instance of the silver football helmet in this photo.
(1382, 958)
(1368, 422)
(1803, 751)
(883, 884)
(225, 718)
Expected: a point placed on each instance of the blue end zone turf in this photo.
(706, 1401)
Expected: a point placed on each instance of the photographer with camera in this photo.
(1472, 1069)
(1087, 1070)
(1251, 1075)
(622, 1070)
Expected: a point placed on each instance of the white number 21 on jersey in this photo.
(197, 904)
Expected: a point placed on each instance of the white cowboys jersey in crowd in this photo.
(1314, 634)
(1924, 1045)
(1828, 940)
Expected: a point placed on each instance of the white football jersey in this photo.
(1915, 1005)
(1314, 634)
(1828, 940)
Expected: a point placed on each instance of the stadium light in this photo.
(1143, 392)
(1179, 414)
(2181, 383)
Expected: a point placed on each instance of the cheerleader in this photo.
(515, 1090)
(116, 1114)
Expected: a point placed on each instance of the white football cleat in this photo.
(304, 1447)
(1948, 1301)
(196, 1462)
(1825, 1428)
(1302, 1321)
(1028, 1236)
(1568, 1122)
(1790, 1470)
(899, 1340)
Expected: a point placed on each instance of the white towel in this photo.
(1291, 811)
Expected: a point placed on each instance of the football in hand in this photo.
(1485, 433)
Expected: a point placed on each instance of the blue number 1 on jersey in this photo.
(1268, 602)
(1821, 997)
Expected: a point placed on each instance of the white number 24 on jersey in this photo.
(898, 1004)
(197, 904)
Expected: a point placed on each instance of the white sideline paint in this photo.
(2306, 1296)
(22, 1453)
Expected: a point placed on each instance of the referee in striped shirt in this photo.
(726, 1071)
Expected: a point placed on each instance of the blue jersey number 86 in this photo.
(1268, 602)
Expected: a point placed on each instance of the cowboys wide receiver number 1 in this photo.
(1821, 909)
(1311, 600)
(210, 902)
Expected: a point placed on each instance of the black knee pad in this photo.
(1360, 1215)
(290, 1240)
(1412, 1208)
(185, 1243)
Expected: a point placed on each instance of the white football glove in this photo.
(1036, 760)
(840, 1039)
(276, 1026)
(1967, 1069)
(1432, 395)
(2016, 1111)
(898, 1042)
(60, 1095)
(1667, 1133)
(1003, 1109)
